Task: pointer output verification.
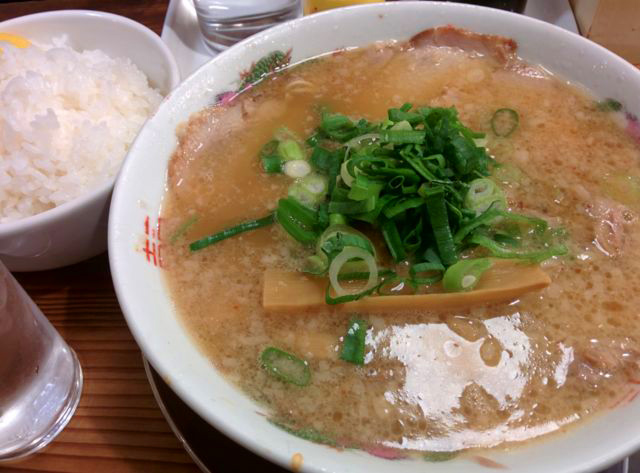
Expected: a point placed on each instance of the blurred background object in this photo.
(511, 5)
(615, 24)
(312, 6)
(225, 22)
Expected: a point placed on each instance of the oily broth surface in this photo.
(432, 381)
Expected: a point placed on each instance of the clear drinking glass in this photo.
(225, 22)
(40, 376)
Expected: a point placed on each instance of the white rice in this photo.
(66, 122)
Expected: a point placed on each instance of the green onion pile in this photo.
(418, 184)
(419, 179)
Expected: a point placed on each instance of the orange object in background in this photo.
(615, 24)
(313, 6)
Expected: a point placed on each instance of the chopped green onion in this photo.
(335, 121)
(506, 239)
(482, 194)
(372, 216)
(323, 215)
(465, 274)
(345, 175)
(434, 272)
(340, 128)
(336, 243)
(396, 115)
(316, 264)
(297, 220)
(437, 210)
(230, 232)
(393, 284)
(296, 168)
(413, 238)
(353, 345)
(439, 456)
(438, 158)
(481, 142)
(609, 105)
(272, 164)
(431, 256)
(285, 366)
(363, 188)
(418, 178)
(304, 215)
(183, 228)
(290, 150)
(283, 133)
(401, 205)
(337, 219)
(393, 241)
(307, 433)
(508, 173)
(504, 122)
(329, 163)
(347, 254)
(535, 256)
(360, 275)
(322, 158)
(336, 237)
(539, 226)
(402, 125)
(271, 160)
(402, 136)
(351, 207)
(358, 140)
(311, 190)
(330, 300)
(420, 168)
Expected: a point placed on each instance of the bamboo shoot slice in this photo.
(505, 281)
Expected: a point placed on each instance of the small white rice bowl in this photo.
(67, 119)
(66, 126)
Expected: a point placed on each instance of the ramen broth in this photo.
(432, 381)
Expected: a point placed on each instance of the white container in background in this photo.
(225, 22)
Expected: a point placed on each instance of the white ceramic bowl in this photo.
(141, 186)
(77, 230)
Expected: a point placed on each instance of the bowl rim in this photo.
(118, 265)
(104, 188)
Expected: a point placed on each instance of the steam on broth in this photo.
(430, 380)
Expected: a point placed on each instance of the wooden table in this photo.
(118, 427)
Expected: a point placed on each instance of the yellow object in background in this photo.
(312, 6)
(15, 40)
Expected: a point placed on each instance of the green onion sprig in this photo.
(504, 122)
(230, 232)
(285, 366)
(465, 274)
(353, 346)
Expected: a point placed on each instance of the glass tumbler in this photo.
(225, 22)
(40, 376)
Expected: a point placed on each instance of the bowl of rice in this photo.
(75, 88)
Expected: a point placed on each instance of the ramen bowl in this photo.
(137, 239)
